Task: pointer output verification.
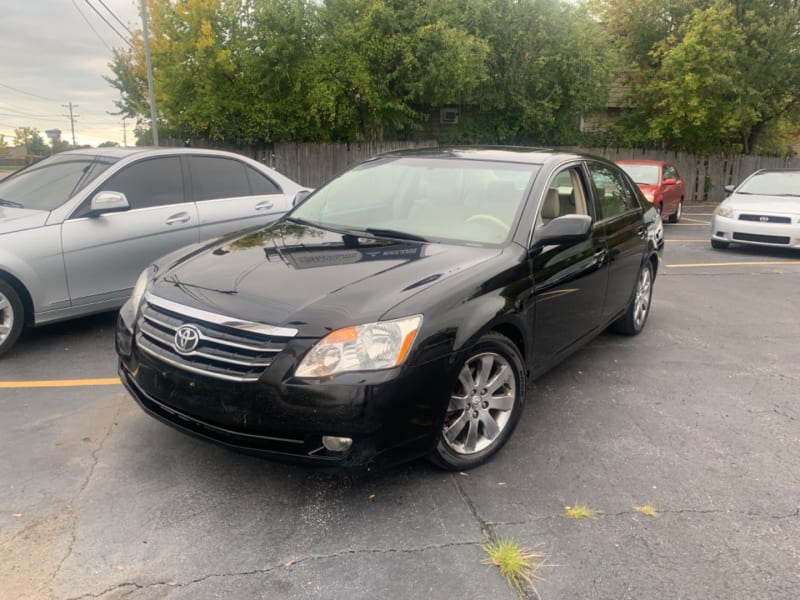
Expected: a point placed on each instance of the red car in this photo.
(660, 183)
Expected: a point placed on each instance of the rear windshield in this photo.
(50, 183)
(646, 174)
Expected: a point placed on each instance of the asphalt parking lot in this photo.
(697, 417)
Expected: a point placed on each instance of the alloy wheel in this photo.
(642, 299)
(6, 317)
(480, 404)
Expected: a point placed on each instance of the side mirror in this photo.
(729, 189)
(566, 229)
(669, 181)
(300, 196)
(107, 202)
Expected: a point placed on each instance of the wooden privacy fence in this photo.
(705, 176)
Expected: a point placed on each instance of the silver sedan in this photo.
(763, 210)
(77, 228)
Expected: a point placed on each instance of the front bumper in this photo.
(777, 235)
(391, 415)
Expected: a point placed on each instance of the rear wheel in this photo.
(634, 319)
(676, 216)
(485, 404)
(719, 245)
(11, 316)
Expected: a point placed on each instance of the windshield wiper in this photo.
(394, 233)
(10, 203)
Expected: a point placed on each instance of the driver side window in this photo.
(566, 195)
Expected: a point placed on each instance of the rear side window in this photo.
(261, 184)
(214, 177)
(613, 196)
(150, 182)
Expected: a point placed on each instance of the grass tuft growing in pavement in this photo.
(579, 511)
(517, 564)
(647, 510)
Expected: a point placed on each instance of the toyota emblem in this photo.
(764, 219)
(187, 337)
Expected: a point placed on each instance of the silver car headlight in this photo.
(724, 211)
(368, 347)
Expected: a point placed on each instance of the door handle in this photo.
(600, 257)
(641, 231)
(178, 218)
(264, 205)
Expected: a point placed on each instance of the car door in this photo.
(620, 216)
(231, 195)
(569, 279)
(671, 192)
(103, 254)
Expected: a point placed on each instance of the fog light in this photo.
(336, 444)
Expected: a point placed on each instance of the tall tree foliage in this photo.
(709, 76)
(253, 71)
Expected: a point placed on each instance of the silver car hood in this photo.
(757, 203)
(17, 219)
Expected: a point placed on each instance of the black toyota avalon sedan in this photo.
(398, 311)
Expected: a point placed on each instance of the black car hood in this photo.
(311, 279)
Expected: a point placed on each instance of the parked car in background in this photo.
(763, 210)
(660, 183)
(399, 311)
(77, 228)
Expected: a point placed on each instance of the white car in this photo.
(764, 210)
(77, 228)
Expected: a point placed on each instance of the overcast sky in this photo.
(50, 56)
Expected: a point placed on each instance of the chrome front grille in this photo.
(225, 349)
(765, 218)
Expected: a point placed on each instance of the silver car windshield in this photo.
(51, 182)
(437, 199)
(772, 183)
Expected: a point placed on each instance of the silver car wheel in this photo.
(642, 300)
(481, 403)
(6, 317)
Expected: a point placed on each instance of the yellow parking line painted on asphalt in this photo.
(686, 241)
(696, 220)
(52, 383)
(763, 263)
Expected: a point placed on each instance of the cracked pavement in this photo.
(696, 417)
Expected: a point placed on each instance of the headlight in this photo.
(139, 289)
(724, 211)
(369, 347)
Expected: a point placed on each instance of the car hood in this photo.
(311, 279)
(17, 219)
(758, 204)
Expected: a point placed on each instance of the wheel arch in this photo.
(22, 292)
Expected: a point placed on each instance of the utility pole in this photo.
(72, 118)
(124, 133)
(153, 120)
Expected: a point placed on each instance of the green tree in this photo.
(32, 140)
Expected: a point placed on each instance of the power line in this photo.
(99, 37)
(99, 14)
(111, 12)
(8, 111)
(28, 93)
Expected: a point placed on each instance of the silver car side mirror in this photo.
(300, 196)
(106, 202)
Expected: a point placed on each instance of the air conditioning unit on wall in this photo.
(448, 116)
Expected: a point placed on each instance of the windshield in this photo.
(440, 199)
(772, 183)
(51, 182)
(646, 174)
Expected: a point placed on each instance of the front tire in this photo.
(12, 316)
(635, 317)
(488, 394)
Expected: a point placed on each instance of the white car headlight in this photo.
(369, 347)
(724, 211)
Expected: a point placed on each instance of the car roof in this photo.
(119, 152)
(642, 162)
(516, 154)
